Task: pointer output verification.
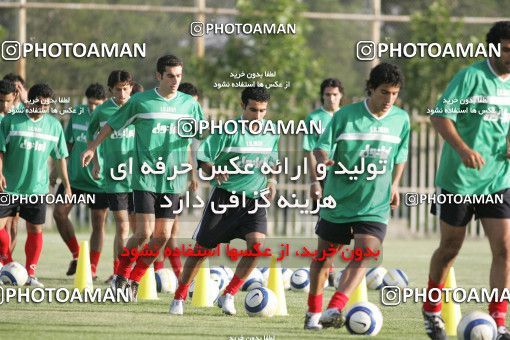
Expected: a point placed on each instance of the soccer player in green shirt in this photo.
(367, 142)
(473, 116)
(159, 154)
(26, 142)
(115, 152)
(331, 92)
(21, 92)
(82, 182)
(245, 221)
(7, 97)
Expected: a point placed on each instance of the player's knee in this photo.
(59, 215)
(448, 253)
(502, 253)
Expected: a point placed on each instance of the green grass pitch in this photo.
(151, 319)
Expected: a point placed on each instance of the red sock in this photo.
(94, 260)
(33, 248)
(124, 267)
(338, 301)
(498, 312)
(115, 265)
(233, 285)
(74, 247)
(181, 293)
(428, 306)
(175, 262)
(314, 303)
(5, 242)
(331, 269)
(139, 270)
(159, 265)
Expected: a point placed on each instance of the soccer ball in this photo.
(265, 274)
(286, 275)
(396, 277)
(364, 318)
(375, 277)
(261, 302)
(253, 281)
(338, 276)
(212, 291)
(14, 274)
(477, 326)
(166, 281)
(228, 271)
(300, 280)
(219, 276)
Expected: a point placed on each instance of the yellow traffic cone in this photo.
(200, 293)
(275, 283)
(451, 311)
(147, 289)
(359, 295)
(83, 277)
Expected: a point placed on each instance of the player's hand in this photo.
(86, 157)
(193, 184)
(3, 183)
(472, 159)
(221, 178)
(22, 93)
(96, 171)
(315, 191)
(68, 193)
(272, 190)
(394, 198)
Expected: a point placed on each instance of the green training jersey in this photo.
(159, 151)
(478, 103)
(115, 150)
(76, 134)
(251, 151)
(2, 116)
(319, 115)
(365, 149)
(27, 144)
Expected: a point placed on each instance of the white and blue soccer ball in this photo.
(265, 274)
(364, 318)
(261, 302)
(286, 275)
(254, 280)
(396, 277)
(229, 272)
(212, 291)
(375, 277)
(219, 276)
(14, 274)
(166, 281)
(477, 326)
(300, 280)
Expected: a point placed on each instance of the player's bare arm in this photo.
(87, 156)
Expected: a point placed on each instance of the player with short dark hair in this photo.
(116, 151)
(21, 92)
(26, 142)
(372, 135)
(248, 222)
(473, 117)
(82, 183)
(160, 153)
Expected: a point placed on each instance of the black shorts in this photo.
(101, 201)
(121, 201)
(147, 202)
(343, 233)
(32, 213)
(214, 229)
(459, 214)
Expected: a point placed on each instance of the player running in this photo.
(26, 142)
(473, 117)
(116, 153)
(371, 135)
(82, 183)
(331, 92)
(247, 221)
(160, 153)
